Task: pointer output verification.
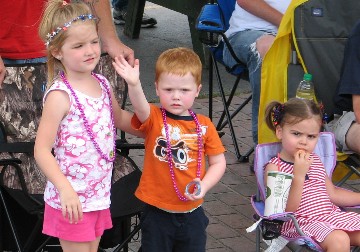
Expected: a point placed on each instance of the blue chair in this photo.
(212, 22)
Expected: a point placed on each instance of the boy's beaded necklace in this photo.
(169, 155)
(111, 156)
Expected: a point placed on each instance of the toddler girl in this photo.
(313, 198)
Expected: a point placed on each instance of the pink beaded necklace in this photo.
(168, 151)
(111, 156)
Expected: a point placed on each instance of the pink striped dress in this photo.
(317, 215)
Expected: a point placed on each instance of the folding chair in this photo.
(212, 22)
(325, 149)
(24, 232)
(21, 183)
(22, 211)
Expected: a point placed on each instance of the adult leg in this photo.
(119, 5)
(263, 44)
(70, 246)
(347, 132)
(250, 47)
(119, 14)
(336, 241)
(353, 138)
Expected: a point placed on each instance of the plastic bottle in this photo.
(306, 89)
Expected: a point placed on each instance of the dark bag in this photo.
(125, 207)
(271, 229)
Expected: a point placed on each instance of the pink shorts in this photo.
(89, 228)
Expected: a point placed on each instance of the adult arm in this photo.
(356, 107)
(262, 10)
(352, 135)
(110, 41)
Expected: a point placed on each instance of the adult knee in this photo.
(263, 44)
(353, 138)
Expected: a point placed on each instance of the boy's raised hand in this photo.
(130, 74)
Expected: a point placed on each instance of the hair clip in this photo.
(51, 35)
(277, 114)
(64, 3)
(325, 116)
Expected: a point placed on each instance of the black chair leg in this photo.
(220, 124)
(241, 158)
(211, 86)
(248, 99)
(32, 237)
(126, 228)
(11, 224)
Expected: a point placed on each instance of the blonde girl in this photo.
(78, 124)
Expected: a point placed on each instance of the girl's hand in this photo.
(197, 191)
(70, 205)
(130, 74)
(302, 163)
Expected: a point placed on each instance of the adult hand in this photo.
(2, 72)
(110, 41)
(115, 48)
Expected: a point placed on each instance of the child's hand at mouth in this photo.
(302, 163)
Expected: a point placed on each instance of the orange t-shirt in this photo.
(156, 186)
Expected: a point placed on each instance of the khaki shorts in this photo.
(340, 126)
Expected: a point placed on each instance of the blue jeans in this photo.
(24, 61)
(119, 4)
(244, 45)
(173, 232)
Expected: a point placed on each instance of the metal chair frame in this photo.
(212, 22)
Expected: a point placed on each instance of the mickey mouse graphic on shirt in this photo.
(179, 149)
